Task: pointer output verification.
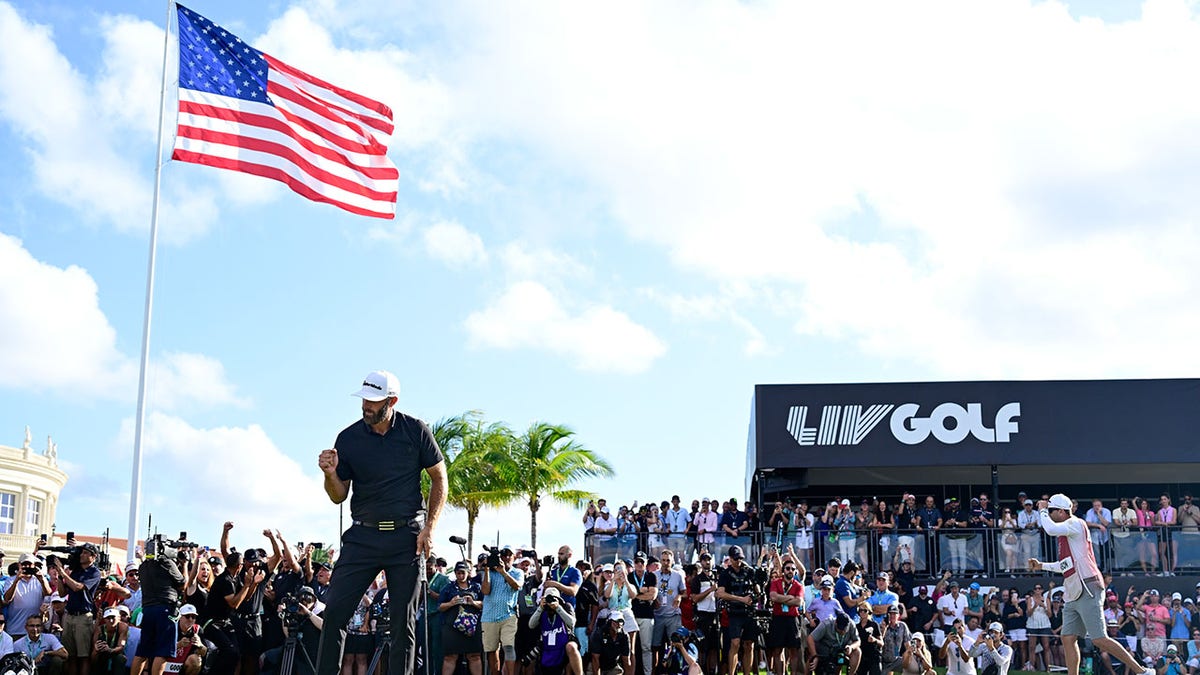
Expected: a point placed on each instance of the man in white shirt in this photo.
(1083, 585)
(605, 524)
(951, 608)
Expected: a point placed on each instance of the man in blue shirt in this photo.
(564, 577)
(845, 591)
(734, 522)
(500, 586)
(81, 610)
(882, 599)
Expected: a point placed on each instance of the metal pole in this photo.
(135, 488)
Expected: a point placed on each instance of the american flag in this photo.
(244, 110)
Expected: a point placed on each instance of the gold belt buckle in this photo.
(387, 525)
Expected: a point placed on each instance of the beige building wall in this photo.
(30, 483)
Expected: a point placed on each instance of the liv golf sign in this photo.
(949, 423)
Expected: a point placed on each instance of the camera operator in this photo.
(993, 651)
(680, 656)
(555, 622)
(834, 644)
(301, 614)
(735, 587)
(527, 603)
(500, 584)
(162, 583)
(81, 608)
(25, 593)
(228, 591)
(609, 644)
(703, 593)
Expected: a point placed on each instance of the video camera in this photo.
(289, 609)
(71, 553)
(160, 547)
(493, 559)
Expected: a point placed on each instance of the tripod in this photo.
(385, 645)
(289, 656)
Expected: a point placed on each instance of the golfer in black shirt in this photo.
(383, 455)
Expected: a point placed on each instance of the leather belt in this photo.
(388, 525)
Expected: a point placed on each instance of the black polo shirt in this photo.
(386, 470)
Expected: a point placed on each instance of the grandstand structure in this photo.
(1090, 439)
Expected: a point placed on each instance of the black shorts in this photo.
(742, 627)
(359, 643)
(784, 632)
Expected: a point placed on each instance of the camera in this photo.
(548, 561)
(493, 559)
(289, 609)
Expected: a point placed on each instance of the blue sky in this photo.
(616, 217)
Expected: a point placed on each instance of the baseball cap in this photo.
(952, 584)
(706, 554)
(378, 385)
(996, 626)
(57, 598)
(1028, 502)
(845, 502)
(919, 636)
(819, 572)
(306, 591)
(827, 583)
(893, 609)
(1021, 494)
(882, 575)
(507, 547)
(1153, 591)
(606, 567)
(1177, 596)
(112, 612)
(604, 509)
(946, 501)
(616, 616)
(974, 586)
(462, 565)
(188, 610)
(1172, 648)
(551, 592)
(27, 558)
(923, 589)
(1060, 501)
(640, 555)
(736, 552)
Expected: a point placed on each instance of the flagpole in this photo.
(135, 488)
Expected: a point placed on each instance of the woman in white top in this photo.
(1008, 539)
(1037, 626)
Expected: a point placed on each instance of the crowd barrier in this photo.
(960, 551)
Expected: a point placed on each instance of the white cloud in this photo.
(57, 339)
(454, 245)
(523, 262)
(995, 211)
(598, 338)
(78, 134)
(239, 471)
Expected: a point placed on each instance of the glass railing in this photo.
(962, 551)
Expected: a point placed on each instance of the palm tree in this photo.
(470, 449)
(547, 461)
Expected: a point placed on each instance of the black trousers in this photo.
(365, 553)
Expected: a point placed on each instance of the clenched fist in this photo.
(328, 461)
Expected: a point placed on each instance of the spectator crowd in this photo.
(717, 587)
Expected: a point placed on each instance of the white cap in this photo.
(845, 502)
(606, 567)
(27, 558)
(188, 609)
(57, 598)
(1060, 501)
(996, 626)
(378, 385)
(112, 612)
(1177, 596)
